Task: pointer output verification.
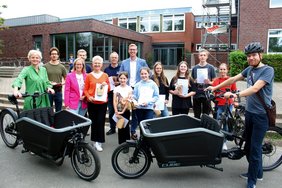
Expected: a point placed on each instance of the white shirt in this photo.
(133, 67)
(80, 81)
(124, 91)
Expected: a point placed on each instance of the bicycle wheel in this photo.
(238, 130)
(272, 149)
(128, 166)
(7, 126)
(85, 162)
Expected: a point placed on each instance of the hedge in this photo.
(238, 62)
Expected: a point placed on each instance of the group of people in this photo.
(130, 89)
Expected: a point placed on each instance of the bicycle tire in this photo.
(272, 149)
(7, 123)
(124, 163)
(85, 162)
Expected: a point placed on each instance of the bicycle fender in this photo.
(14, 114)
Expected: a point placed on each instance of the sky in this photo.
(77, 8)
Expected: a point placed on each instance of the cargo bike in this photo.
(182, 140)
(50, 135)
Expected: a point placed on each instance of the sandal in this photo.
(134, 136)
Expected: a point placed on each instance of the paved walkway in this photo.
(5, 87)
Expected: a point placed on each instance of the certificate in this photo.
(146, 95)
(116, 120)
(160, 103)
(202, 74)
(104, 93)
(183, 84)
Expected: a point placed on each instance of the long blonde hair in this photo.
(162, 76)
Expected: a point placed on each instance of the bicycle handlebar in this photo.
(34, 95)
(13, 99)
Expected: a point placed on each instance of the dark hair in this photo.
(253, 47)
(123, 73)
(54, 49)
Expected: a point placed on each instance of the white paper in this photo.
(112, 83)
(202, 74)
(103, 97)
(146, 95)
(160, 103)
(184, 84)
(116, 119)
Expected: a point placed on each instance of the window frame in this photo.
(274, 6)
(128, 21)
(149, 20)
(272, 36)
(173, 20)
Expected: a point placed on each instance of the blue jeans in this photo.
(143, 114)
(164, 112)
(79, 109)
(256, 127)
(58, 99)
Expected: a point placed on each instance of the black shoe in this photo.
(111, 131)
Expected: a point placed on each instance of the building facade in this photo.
(261, 20)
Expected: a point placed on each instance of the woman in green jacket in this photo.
(36, 80)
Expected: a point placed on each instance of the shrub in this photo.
(238, 62)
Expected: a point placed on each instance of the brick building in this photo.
(261, 20)
(169, 35)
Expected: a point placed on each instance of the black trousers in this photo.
(201, 106)
(124, 133)
(97, 114)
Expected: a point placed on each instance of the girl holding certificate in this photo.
(182, 87)
(145, 94)
(122, 94)
(161, 80)
(96, 90)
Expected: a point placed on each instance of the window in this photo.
(274, 41)
(122, 22)
(128, 23)
(150, 24)
(179, 22)
(275, 3)
(60, 42)
(169, 54)
(93, 43)
(110, 21)
(173, 22)
(221, 47)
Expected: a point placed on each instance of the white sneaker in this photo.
(98, 146)
(224, 147)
